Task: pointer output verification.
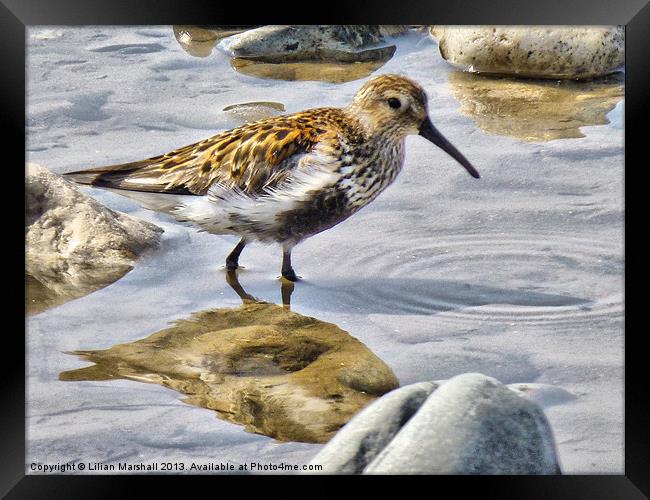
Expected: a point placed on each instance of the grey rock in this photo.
(369, 431)
(472, 424)
(308, 43)
(74, 244)
(574, 52)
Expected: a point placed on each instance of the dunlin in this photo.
(285, 178)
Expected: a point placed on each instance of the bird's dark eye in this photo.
(394, 103)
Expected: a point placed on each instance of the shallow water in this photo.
(517, 275)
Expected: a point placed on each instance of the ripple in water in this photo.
(530, 278)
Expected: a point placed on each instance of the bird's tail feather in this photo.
(159, 202)
(135, 176)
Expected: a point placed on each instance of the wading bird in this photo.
(285, 178)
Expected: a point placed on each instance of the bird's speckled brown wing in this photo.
(251, 157)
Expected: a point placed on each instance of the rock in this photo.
(276, 372)
(533, 51)
(253, 111)
(471, 424)
(322, 71)
(436, 32)
(75, 245)
(535, 110)
(284, 44)
(363, 437)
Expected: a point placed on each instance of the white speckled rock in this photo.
(533, 51)
(74, 244)
(308, 43)
(370, 430)
(472, 424)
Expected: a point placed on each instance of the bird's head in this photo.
(393, 107)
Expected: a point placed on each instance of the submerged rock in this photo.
(74, 244)
(276, 372)
(574, 52)
(311, 43)
(253, 111)
(538, 110)
(470, 424)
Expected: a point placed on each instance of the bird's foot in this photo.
(290, 275)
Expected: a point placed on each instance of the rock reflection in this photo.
(324, 71)
(276, 372)
(535, 110)
(199, 41)
(40, 297)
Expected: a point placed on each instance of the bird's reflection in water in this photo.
(276, 372)
(286, 290)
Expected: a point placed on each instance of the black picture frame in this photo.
(15, 15)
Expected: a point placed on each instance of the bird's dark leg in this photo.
(232, 261)
(287, 270)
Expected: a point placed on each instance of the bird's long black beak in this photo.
(429, 132)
